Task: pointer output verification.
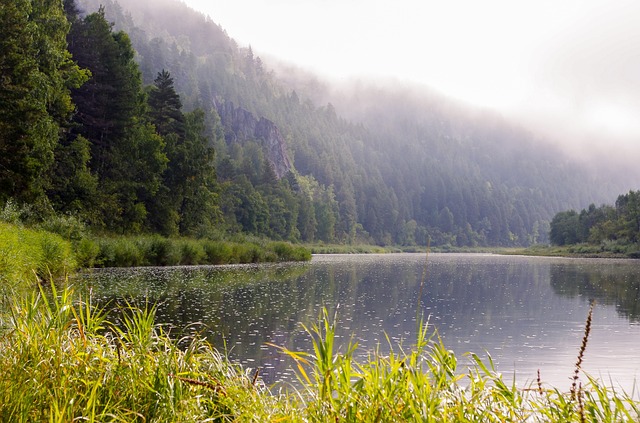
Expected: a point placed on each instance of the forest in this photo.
(136, 122)
(617, 225)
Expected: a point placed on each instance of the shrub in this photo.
(118, 252)
(218, 252)
(191, 252)
(285, 251)
(159, 251)
(68, 227)
(86, 252)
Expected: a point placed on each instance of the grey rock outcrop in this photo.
(241, 125)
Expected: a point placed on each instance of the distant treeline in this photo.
(618, 224)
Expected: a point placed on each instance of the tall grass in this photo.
(158, 251)
(29, 255)
(424, 383)
(61, 359)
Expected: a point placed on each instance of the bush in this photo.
(159, 251)
(68, 227)
(285, 251)
(191, 252)
(218, 252)
(86, 252)
(119, 252)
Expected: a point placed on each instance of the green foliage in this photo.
(11, 213)
(62, 360)
(36, 72)
(27, 255)
(288, 252)
(424, 383)
(68, 227)
(127, 156)
(614, 229)
(158, 251)
(564, 228)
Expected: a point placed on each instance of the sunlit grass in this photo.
(30, 255)
(159, 251)
(61, 359)
(424, 383)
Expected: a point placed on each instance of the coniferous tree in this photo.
(187, 201)
(127, 155)
(37, 72)
(165, 107)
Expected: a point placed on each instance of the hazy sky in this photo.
(571, 66)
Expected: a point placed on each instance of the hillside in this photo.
(395, 164)
(383, 164)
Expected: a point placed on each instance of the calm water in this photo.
(528, 313)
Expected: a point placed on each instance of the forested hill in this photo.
(405, 167)
(167, 125)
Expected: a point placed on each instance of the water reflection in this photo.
(528, 313)
(615, 283)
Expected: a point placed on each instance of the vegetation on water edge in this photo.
(62, 244)
(377, 249)
(605, 231)
(608, 250)
(63, 360)
(159, 251)
(28, 254)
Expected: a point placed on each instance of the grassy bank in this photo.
(62, 245)
(376, 249)
(159, 251)
(611, 250)
(28, 255)
(62, 360)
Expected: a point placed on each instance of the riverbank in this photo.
(376, 249)
(159, 251)
(579, 251)
(28, 252)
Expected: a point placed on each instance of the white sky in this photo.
(569, 66)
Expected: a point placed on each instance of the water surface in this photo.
(528, 313)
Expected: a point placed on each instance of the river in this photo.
(527, 313)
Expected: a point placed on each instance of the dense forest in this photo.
(617, 225)
(137, 121)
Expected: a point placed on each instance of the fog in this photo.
(569, 70)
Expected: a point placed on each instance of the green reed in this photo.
(424, 383)
(32, 255)
(63, 360)
(155, 250)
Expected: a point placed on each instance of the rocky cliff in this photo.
(241, 125)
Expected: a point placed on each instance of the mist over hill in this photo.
(369, 162)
